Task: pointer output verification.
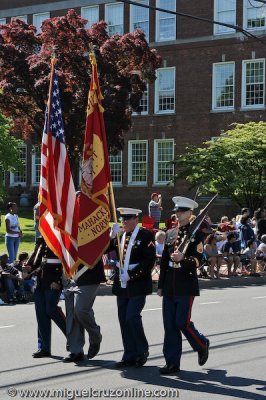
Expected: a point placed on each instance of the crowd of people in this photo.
(239, 243)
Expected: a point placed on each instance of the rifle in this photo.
(194, 226)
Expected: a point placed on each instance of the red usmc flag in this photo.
(94, 211)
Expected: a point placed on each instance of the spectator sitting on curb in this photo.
(21, 266)
(248, 258)
(12, 280)
(231, 251)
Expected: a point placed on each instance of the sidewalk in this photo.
(221, 283)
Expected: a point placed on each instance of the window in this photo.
(165, 91)
(19, 176)
(223, 87)
(38, 20)
(140, 18)
(91, 14)
(143, 104)
(254, 14)
(36, 168)
(224, 11)
(114, 16)
(253, 83)
(21, 17)
(116, 168)
(137, 162)
(163, 153)
(2, 21)
(165, 22)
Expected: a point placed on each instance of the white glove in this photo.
(124, 276)
(115, 230)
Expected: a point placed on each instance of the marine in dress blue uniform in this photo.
(178, 284)
(132, 283)
(46, 297)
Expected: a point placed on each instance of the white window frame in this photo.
(21, 17)
(83, 15)
(38, 25)
(244, 93)
(219, 29)
(120, 164)
(159, 4)
(214, 95)
(12, 174)
(245, 16)
(143, 112)
(130, 163)
(108, 7)
(2, 21)
(156, 93)
(132, 7)
(34, 180)
(156, 161)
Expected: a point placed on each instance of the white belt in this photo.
(174, 264)
(52, 260)
(132, 266)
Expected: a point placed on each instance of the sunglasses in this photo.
(182, 209)
(127, 217)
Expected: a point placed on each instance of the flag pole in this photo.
(53, 62)
(111, 191)
(112, 198)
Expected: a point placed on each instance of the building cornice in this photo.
(48, 7)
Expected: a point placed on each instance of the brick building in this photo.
(211, 77)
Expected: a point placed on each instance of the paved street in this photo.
(233, 318)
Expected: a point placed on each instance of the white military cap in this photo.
(128, 212)
(184, 203)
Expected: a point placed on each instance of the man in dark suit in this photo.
(178, 284)
(46, 297)
(132, 283)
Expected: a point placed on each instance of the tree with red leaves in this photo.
(25, 69)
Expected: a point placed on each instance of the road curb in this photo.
(243, 281)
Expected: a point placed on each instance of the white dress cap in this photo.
(128, 211)
(184, 202)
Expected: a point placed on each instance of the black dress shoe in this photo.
(73, 357)
(169, 369)
(41, 354)
(140, 361)
(94, 349)
(125, 363)
(204, 354)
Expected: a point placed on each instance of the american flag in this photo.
(58, 211)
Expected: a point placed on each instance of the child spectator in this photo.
(248, 257)
(245, 231)
(214, 258)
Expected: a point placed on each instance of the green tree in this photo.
(233, 165)
(9, 153)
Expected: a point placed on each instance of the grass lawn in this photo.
(27, 227)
